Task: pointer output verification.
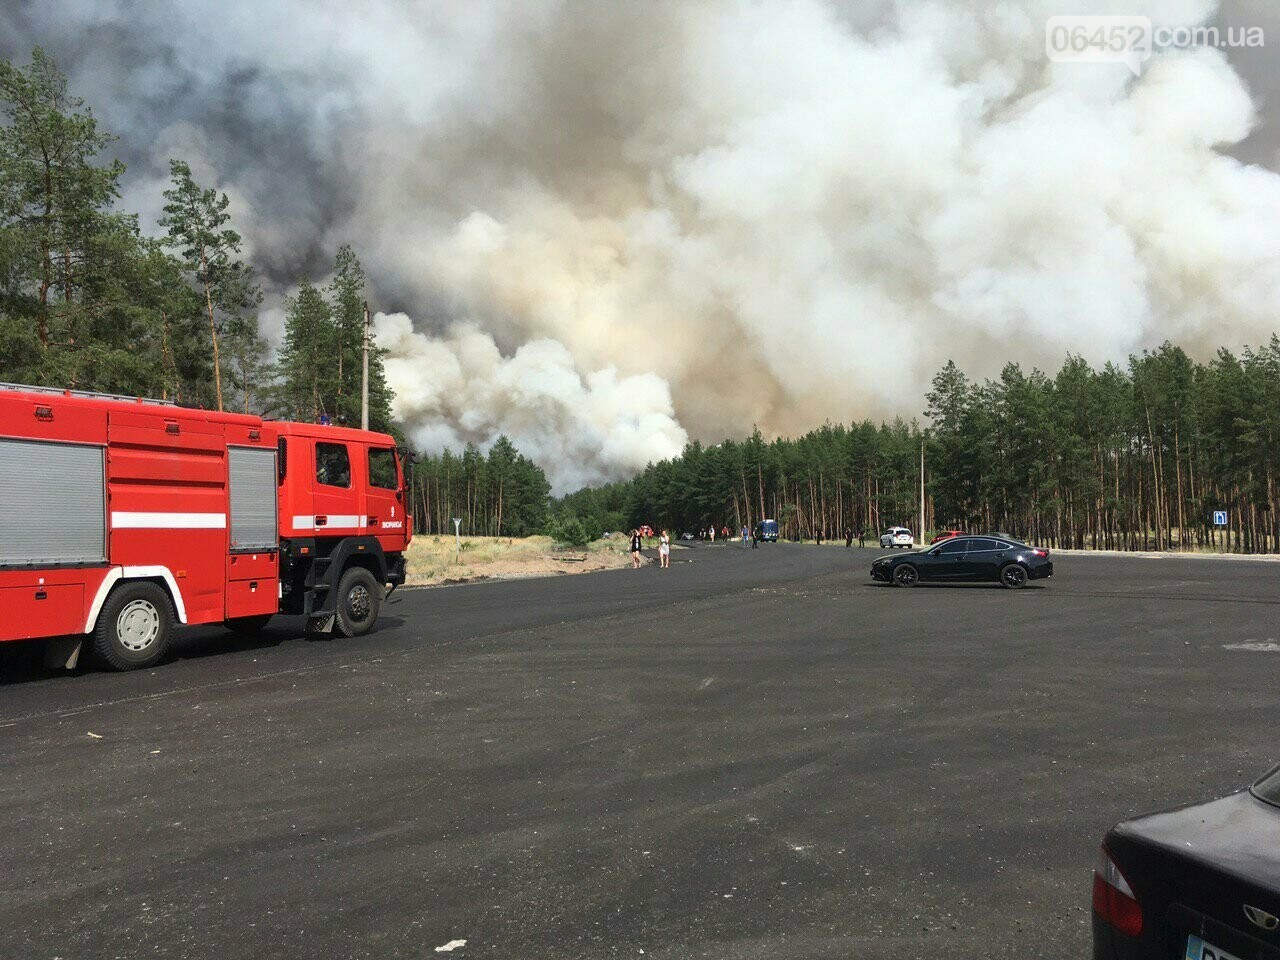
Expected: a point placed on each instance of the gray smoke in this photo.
(703, 216)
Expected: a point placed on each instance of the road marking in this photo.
(1254, 645)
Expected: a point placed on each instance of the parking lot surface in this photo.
(753, 754)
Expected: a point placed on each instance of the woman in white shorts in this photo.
(664, 549)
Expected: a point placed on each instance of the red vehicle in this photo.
(121, 517)
(946, 535)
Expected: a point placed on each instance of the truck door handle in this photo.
(42, 595)
(321, 521)
(373, 521)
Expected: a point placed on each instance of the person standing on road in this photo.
(635, 549)
(848, 537)
(664, 551)
(755, 538)
(862, 535)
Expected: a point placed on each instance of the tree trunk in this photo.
(46, 256)
(213, 326)
(171, 368)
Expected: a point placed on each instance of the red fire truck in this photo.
(120, 517)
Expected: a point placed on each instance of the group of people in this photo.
(664, 542)
(849, 535)
(710, 533)
(664, 550)
(818, 535)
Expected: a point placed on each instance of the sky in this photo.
(605, 229)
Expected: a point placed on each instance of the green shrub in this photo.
(568, 531)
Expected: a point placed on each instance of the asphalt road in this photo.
(754, 754)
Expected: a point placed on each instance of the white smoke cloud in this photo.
(793, 219)
(772, 212)
(460, 389)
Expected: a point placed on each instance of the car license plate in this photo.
(1197, 949)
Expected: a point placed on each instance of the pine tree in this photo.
(249, 372)
(54, 208)
(346, 299)
(196, 219)
(305, 355)
(501, 476)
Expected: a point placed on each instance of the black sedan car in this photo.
(985, 559)
(1200, 883)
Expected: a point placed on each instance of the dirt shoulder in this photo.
(436, 560)
(1172, 555)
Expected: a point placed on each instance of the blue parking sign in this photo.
(1219, 518)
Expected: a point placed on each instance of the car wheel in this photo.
(359, 597)
(1013, 576)
(134, 627)
(905, 576)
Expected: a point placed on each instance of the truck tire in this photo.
(134, 627)
(249, 626)
(359, 598)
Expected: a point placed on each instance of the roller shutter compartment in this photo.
(52, 503)
(253, 498)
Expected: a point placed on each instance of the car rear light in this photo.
(1113, 898)
(1040, 553)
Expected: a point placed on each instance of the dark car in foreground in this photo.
(967, 560)
(1200, 882)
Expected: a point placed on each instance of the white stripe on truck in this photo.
(140, 520)
(330, 520)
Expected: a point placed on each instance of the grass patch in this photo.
(433, 559)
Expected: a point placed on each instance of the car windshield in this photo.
(1268, 788)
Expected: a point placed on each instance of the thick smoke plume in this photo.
(785, 210)
(460, 389)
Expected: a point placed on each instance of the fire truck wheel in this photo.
(249, 625)
(359, 597)
(134, 627)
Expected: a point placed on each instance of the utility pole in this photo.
(364, 376)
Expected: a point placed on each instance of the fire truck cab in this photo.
(120, 518)
(343, 524)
